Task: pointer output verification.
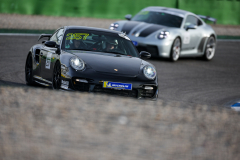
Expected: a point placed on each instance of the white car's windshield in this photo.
(90, 40)
(160, 18)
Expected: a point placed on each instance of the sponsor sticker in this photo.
(48, 60)
(77, 36)
(117, 85)
(186, 38)
(135, 43)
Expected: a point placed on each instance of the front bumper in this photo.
(157, 47)
(90, 83)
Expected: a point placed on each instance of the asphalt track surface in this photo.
(189, 80)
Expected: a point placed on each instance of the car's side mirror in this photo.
(58, 49)
(144, 54)
(51, 44)
(128, 17)
(191, 26)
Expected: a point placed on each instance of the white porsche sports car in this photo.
(169, 33)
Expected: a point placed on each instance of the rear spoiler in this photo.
(44, 35)
(208, 18)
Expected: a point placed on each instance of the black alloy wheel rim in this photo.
(57, 76)
(28, 69)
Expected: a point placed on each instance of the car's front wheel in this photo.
(56, 80)
(29, 71)
(175, 50)
(210, 49)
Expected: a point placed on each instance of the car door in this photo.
(192, 36)
(49, 56)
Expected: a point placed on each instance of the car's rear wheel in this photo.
(29, 71)
(210, 49)
(56, 80)
(175, 50)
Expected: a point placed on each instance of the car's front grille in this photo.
(149, 48)
(90, 87)
(98, 88)
(148, 93)
(81, 86)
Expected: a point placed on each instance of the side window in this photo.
(57, 36)
(199, 22)
(191, 20)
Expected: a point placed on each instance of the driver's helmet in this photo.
(76, 42)
(112, 42)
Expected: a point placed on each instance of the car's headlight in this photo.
(77, 63)
(163, 34)
(149, 72)
(114, 26)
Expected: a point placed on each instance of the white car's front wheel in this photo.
(210, 49)
(175, 50)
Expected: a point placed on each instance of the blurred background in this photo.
(226, 12)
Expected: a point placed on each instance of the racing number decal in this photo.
(48, 60)
(186, 38)
(77, 36)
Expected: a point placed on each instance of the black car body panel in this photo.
(110, 62)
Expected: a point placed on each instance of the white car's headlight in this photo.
(114, 26)
(149, 72)
(163, 34)
(77, 63)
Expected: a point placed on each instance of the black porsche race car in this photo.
(93, 60)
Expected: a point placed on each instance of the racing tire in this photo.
(29, 71)
(210, 49)
(175, 50)
(56, 80)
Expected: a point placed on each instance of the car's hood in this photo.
(141, 28)
(110, 63)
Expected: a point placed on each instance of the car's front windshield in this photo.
(98, 41)
(160, 18)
